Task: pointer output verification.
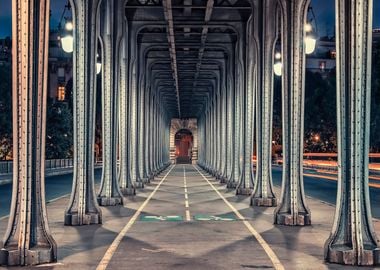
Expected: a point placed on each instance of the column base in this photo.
(302, 219)
(35, 256)
(146, 180)
(231, 185)
(223, 180)
(139, 184)
(72, 219)
(264, 202)
(128, 191)
(113, 201)
(347, 256)
(244, 191)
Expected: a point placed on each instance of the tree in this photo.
(375, 100)
(59, 131)
(5, 111)
(320, 112)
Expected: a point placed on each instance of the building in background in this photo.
(323, 59)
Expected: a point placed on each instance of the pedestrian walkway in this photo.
(187, 220)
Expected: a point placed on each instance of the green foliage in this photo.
(59, 131)
(320, 112)
(5, 111)
(375, 101)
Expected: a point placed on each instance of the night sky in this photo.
(324, 11)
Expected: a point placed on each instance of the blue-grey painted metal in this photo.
(353, 240)
(125, 180)
(111, 15)
(292, 209)
(265, 35)
(83, 208)
(28, 240)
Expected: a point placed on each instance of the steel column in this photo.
(265, 36)
(125, 180)
(111, 17)
(292, 209)
(83, 208)
(28, 240)
(353, 240)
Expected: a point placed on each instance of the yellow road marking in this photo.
(335, 178)
(115, 244)
(272, 256)
(188, 217)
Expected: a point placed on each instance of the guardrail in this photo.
(6, 167)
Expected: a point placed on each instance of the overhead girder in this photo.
(217, 66)
(160, 50)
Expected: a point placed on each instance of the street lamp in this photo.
(310, 40)
(67, 41)
(98, 64)
(277, 67)
(310, 33)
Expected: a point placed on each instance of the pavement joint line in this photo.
(268, 250)
(115, 244)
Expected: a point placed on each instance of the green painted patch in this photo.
(160, 218)
(215, 218)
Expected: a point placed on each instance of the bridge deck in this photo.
(187, 220)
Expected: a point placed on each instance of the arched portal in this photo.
(184, 146)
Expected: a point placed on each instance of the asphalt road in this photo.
(325, 190)
(56, 186)
(319, 188)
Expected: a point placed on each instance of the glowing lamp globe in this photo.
(277, 68)
(98, 67)
(69, 26)
(68, 43)
(310, 43)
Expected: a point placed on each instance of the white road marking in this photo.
(115, 244)
(272, 256)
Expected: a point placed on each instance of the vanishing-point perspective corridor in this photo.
(189, 134)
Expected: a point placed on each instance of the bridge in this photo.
(190, 82)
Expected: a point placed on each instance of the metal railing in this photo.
(6, 167)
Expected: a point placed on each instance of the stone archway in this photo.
(189, 125)
(184, 146)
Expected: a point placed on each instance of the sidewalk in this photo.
(147, 244)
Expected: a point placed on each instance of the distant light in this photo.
(316, 137)
(69, 26)
(68, 43)
(277, 56)
(277, 68)
(310, 43)
(98, 67)
(308, 27)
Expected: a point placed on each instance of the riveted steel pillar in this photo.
(292, 209)
(142, 100)
(237, 123)
(248, 96)
(134, 114)
(125, 180)
(265, 35)
(353, 240)
(28, 240)
(83, 207)
(230, 121)
(111, 17)
(223, 131)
